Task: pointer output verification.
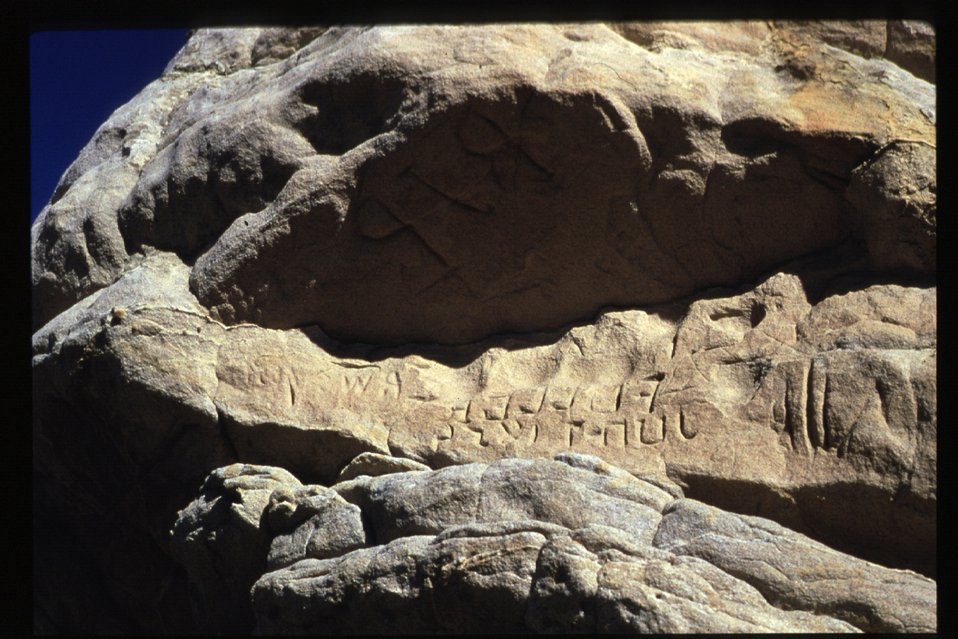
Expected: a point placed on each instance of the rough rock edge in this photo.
(833, 608)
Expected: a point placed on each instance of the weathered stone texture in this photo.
(543, 568)
(554, 328)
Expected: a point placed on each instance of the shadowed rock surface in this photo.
(507, 328)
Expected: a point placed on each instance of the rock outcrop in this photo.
(552, 328)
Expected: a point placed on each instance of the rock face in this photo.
(551, 328)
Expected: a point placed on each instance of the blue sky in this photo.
(77, 79)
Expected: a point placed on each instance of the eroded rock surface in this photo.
(477, 180)
(498, 320)
(523, 551)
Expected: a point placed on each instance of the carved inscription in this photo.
(795, 401)
(791, 398)
(828, 402)
(371, 384)
(641, 413)
(621, 416)
(815, 405)
(273, 382)
(525, 402)
(814, 408)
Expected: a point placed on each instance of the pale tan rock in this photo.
(220, 50)
(407, 504)
(896, 192)
(394, 141)
(317, 449)
(450, 246)
(517, 575)
(866, 38)
(313, 522)
(884, 316)
(78, 246)
(705, 570)
(274, 44)
(219, 540)
(908, 43)
(682, 595)
(374, 465)
(759, 402)
(794, 572)
(471, 204)
(733, 36)
(494, 576)
(381, 567)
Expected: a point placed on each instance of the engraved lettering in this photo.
(512, 427)
(614, 435)
(606, 399)
(393, 380)
(635, 397)
(795, 409)
(685, 427)
(558, 397)
(652, 430)
(294, 377)
(657, 381)
(600, 416)
(580, 406)
(591, 434)
(459, 412)
(575, 434)
(778, 412)
(481, 430)
(672, 421)
(815, 404)
(521, 431)
(321, 381)
(356, 385)
(466, 433)
(491, 408)
(525, 402)
(826, 420)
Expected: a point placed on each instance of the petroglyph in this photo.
(646, 394)
(651, 410)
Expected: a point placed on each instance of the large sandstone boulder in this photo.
(453, 312)
(572, 545)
